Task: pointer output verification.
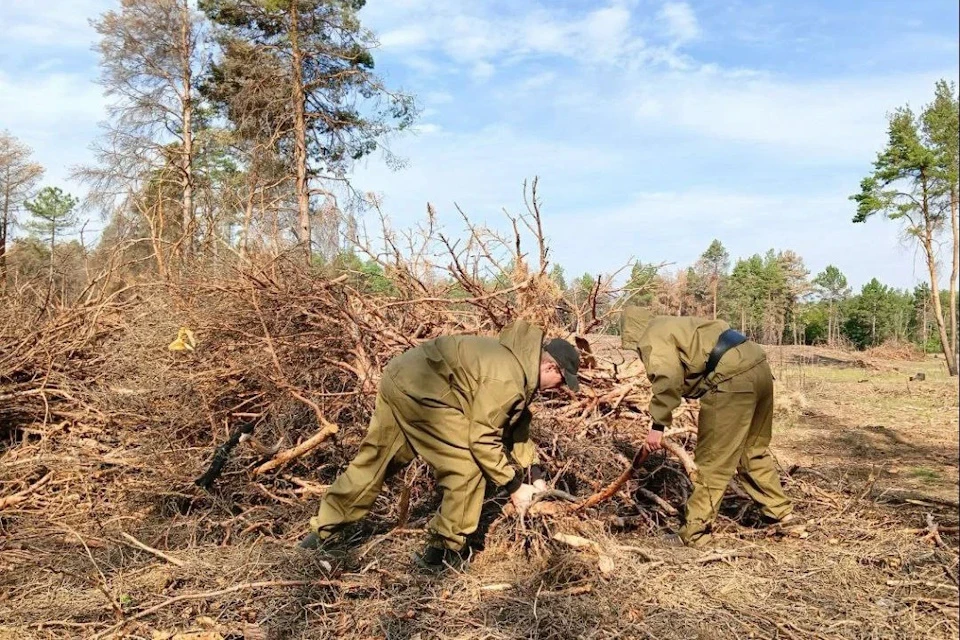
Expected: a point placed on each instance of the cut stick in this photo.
(303, 448)
(905, 495)
(726, 555)
(572, 591)
(680, 454)
(660, 502)
(551, 493)
(151, 550)
(307, 487)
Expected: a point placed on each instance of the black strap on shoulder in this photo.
(728, 340)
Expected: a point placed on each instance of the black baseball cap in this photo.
(568, 358)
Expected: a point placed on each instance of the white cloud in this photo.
(427, 128)
(52, 23)
(607, 29)
(409, 36)
(469, 33)
(541, 80)
(482, 70)
(680, 21)
(437, 97)
(839, 119)
(542, 34)
(56, 115)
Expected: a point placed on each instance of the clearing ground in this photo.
(869, 456)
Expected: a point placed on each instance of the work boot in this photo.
(437, 559)
(326, 554)
(310, 541)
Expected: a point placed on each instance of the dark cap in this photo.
(568, 358)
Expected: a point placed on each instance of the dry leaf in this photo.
(606, 564)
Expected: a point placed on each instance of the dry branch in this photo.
(156, 552)
(685, 459)
(301, 449)
(660, 502)
(17, 498)
(913, 497)
(571, 591)
(725, 555)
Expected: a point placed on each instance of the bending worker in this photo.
(461, 403)
(706, 359)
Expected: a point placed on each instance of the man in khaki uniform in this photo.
(461, 403)
(696, 358)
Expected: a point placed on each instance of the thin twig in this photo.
(156, 552)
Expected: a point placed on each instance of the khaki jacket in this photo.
(490, 381)
(674, 351)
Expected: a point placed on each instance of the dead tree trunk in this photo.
(954, 273)
(300, 136)
(186, 109)
(928, 249)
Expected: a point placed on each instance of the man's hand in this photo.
(522, 496)
(540, 485)
(654, 440)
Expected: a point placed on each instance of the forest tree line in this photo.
(233, 128)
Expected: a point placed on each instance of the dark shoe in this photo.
(311, 541)
(437, 559)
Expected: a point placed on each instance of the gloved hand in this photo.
(540, 485)
(522, 496)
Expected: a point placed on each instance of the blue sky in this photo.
(654, 126)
